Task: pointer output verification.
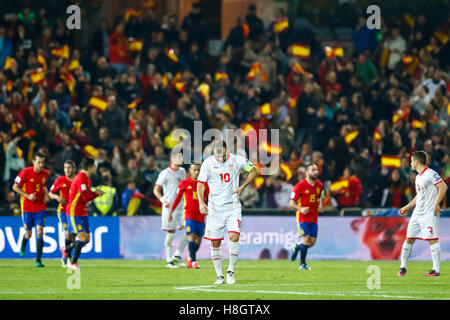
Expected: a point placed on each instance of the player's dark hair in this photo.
(309, 165)
(38, 155)
(87, 163)
(71, 162)
(420, 156)
(220, 144)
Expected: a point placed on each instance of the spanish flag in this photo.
(62, 52)
(448, 108)
(9, 85)
(417, 124)
(266, 109)
(149, 4)
(76, 126)
(74, 64)
(136, 45)
(29, 133)
(390, 161)
(203, 91)
(70, 82)
(171, 55)
(443, 38)
(409, 19)
(397, 117)
(246, 30)
(155, 204)
(384, 58)
(270, 149)
(332, 52)
(259, 182)
(413, 66)
(180, 86)
(255, 69)
(98, 103)
(284, 167)
(227, 108)
(14, 128)
(349, 137)
(302, 51)
(377, 135)
(132, 13)
(134, 104)
(281, 25)
(43, 108)
(220, 75)
(407, 59)
(8, 63)
(176, 78)
(296, 67)
(19, 152)
(339, 185)
(90, 151)
(246, 127)
(24, 89)
(42, 61)
(165, 80)
(292, 102)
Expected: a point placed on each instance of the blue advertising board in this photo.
(104, 242)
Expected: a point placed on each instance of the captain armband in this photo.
(249, 167)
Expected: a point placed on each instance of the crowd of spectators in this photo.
(392, 89)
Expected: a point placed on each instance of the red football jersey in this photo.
(80, 194)
(307, 195)
(191, 208)
(62, 184)
(32, 182)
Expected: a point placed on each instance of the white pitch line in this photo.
(350, 293)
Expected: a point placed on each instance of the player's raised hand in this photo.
(32, 196)
(403, 211)
(203, 209)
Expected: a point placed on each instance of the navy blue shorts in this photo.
(78, 224)
(62, 217)
(31, 219)
(307, 229)
(196, 227)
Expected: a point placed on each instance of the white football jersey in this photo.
(223, 179)
(427, 191)
(169, 179)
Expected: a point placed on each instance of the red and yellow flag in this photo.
(149, 4)
(397, 117)
(417, 124)
(90, 151)
(132, 13)
(29, 133)
(227, 108)
(281, 25)
(266, 109)
(74, 64)
(377, 135)
(98, 103)
(302, 51)
(24, 89)
(409, 19)
(296, 67)
(286, 169)
(62, 52)
(134, 104)
(332, 52)
(19, 152)
(203, 91)
(136, 45)
(8, 63)
(171, 55)
(255, 69)
(292, 102)
(9, 85)
(70, 81)
(246, 30)
(38, 76)
(180, 86)
(246, 127)
(270, 149)
(349, 137)
(43, 108)
(407, 59)
(42, 61)
(220, 75)
(259, 182)
(339, 185)
(390, 161)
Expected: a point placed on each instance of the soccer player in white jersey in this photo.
(221, 172)
(423, 225)
(165, 190)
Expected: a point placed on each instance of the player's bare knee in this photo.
(410, 241)
(216, 243)
(28, 234)
(234, 237)
(431, 242)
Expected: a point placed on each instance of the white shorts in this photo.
(217, 220)
(423, 227)
(177, 220)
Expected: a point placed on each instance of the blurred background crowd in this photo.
(357, 109)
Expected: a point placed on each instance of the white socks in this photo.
(406, 251)
(233, 253)
(217, 260)
(183, 243)
(168, 244)
(436, 256)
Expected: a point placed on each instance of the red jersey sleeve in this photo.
(86, 192)
(56, 185)
(21, 177)
(295, 194)
(181, 187)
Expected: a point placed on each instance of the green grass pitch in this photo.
(263, 279)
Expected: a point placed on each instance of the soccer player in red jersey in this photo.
(306, 198)
(30, 183)
(62, 184)
(194, 220)
(80, 195)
